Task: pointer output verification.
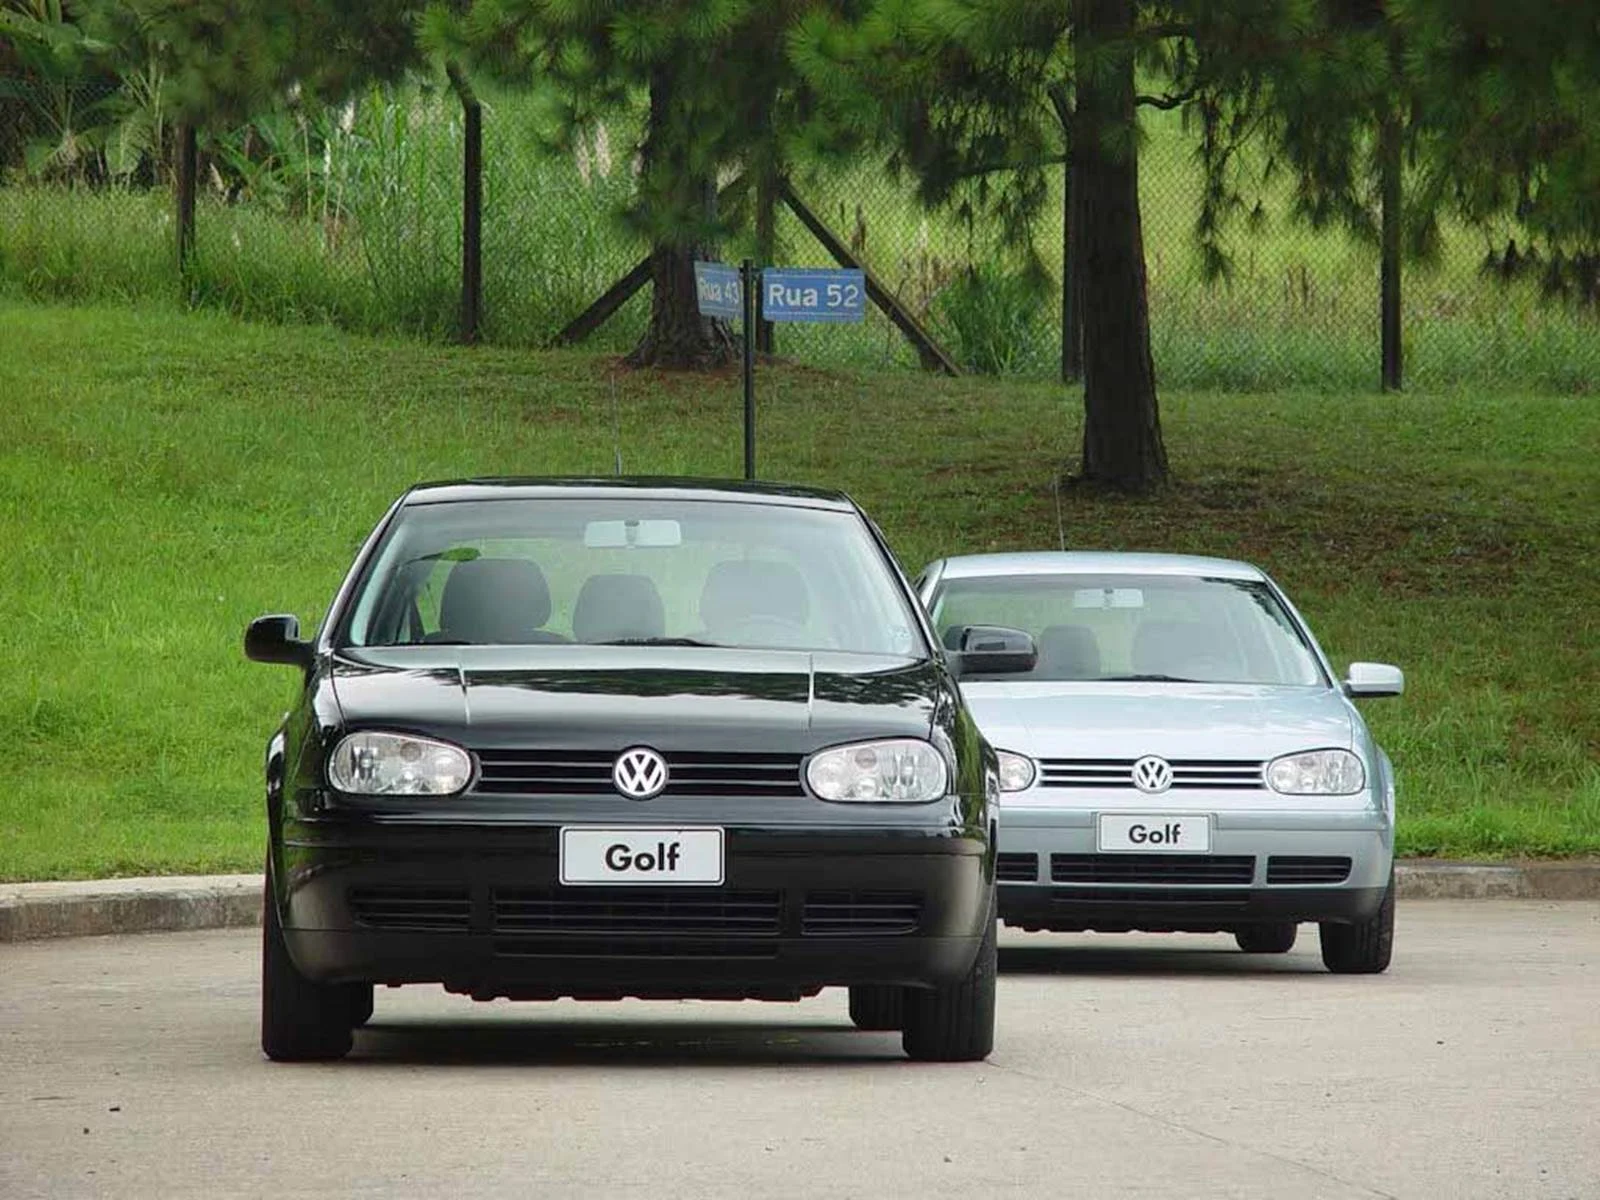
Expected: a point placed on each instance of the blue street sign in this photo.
(812, 295)
(716, 287)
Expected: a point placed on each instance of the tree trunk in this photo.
(679, 194)
(1122, 445)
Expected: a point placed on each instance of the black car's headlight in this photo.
(897, 770)
(1317, 773)
(398, 764)
(1016, 771)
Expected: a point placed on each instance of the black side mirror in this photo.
(993, 650)
(276, 639)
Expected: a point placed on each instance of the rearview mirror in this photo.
(276, 639)
(993, 650)
(1374, 679)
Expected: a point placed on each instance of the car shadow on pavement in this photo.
(1147, 959)
(619, 1043)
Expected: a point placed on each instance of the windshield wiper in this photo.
(658, 641)
(1145, 679)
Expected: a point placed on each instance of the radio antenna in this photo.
(616, 428)
(1061, 528)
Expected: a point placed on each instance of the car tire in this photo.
(360, 1004)
(956, 1023)
(1277, 938)
(301, 1020)
(1364, 948)
(877, 1007)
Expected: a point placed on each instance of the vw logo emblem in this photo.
(640, 773)
(1152, 774)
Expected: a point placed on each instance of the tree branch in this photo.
(1169, 101)
(1170, 29)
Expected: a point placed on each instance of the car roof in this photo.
(1096, 562)
(619, 487)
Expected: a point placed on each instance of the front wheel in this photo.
(956, 1023)
(1363, 949)
(1277, 938)
(877, 1007)
(301, 1020)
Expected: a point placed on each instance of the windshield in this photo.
(632, 572)
(1156, 628)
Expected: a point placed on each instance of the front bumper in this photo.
(1261, 867)
(480, 910)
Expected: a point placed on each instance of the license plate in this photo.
(1147, 832)
(660, 856)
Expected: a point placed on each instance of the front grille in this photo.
(835, 914)
(1018, 868)
(411, 907)
(1188, 774)
(1310, 868)
(588, 773)
(1152, 868)
(636, 912)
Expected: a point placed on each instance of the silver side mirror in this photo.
(1374, 679)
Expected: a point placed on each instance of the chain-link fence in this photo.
(354, 215)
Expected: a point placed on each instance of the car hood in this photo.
(1173, 720)
(608, 697)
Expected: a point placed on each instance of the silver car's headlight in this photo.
(398, 764)
(899, 770)
(1016, 771)
(1317, 773)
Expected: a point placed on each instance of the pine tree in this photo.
(720, 96)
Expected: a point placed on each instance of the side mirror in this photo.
(276, 639)
(993, 650)
(1374, 679)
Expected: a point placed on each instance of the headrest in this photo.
(610, 607)
(739, 589)
(1068, 652)
(494, 601)
(1168, 647)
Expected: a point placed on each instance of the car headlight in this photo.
(397, 764)
(1016, 771)
(902, 770)
(1317, 773)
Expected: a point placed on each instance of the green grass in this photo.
(165, 478)
(378, 252)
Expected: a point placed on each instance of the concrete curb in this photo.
(31, 911)
(90, 907)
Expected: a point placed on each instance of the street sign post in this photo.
(816, 295)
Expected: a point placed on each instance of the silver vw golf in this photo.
(1181, 756)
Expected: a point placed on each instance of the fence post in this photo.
(766, 244)
(471, 206)
(1389, 275)
(188, 166)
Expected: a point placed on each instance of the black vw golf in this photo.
(607, 738)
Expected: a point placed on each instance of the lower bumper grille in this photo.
(834, 914)
(1290, 868)
(636, 912)
(1153, 868)
(1018, 868)
(411, 908)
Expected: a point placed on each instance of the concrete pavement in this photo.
(1126, 1066)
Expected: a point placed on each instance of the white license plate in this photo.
(1157, 832)
(591, 856)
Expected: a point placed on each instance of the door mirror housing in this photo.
(993, 650)
(276, 639)
(1374, 679)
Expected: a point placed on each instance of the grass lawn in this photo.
(164, 478)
